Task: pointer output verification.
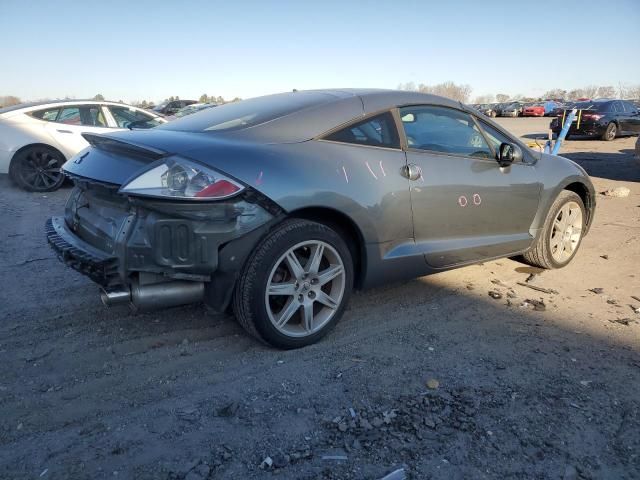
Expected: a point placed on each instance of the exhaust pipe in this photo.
(155, 295)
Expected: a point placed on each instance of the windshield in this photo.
(248, 113)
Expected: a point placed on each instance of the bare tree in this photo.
(590, 91)
(606, 92)
(575, 94)
(632, 92)
(446, 89)
(555, 93)
(99, 97)
(9, 101)
(502, 97)
(489, 98)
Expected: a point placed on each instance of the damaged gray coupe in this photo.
(279, 206)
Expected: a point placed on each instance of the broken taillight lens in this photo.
(179, 178)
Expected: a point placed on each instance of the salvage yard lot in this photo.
(522, 392)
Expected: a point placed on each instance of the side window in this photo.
(617, 107)
(69, 116)
(629, 107)
(495, 137)
(92, 116)
(48, 115)
(378, 131)
(125, 116)
(444, 130)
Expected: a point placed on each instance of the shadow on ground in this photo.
(613, 166)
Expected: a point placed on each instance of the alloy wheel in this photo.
(566, 232)
(40, 170)
(305, 288)
(611, 131)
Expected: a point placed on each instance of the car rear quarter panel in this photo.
(361, 182)
(15, 135)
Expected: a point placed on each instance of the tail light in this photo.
(591, 116)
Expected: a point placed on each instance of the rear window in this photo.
(248, 113)
(597, 106)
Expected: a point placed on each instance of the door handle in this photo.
(64, 131)
(412, 171)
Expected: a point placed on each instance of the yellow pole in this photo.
(579, 117)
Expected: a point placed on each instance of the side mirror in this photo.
(508, 154)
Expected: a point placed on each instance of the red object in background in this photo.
(535, 111)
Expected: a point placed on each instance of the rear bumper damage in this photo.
(154, 254)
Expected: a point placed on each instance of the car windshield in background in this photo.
(248, 113)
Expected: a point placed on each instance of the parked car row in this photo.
(189, 109)
(518, 109)
(172, 107)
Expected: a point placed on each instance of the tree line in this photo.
(462, 92)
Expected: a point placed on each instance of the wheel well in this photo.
(346, 227)
(45, 145)
(583, 192)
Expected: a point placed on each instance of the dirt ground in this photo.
(522, 392)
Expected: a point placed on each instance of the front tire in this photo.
(295, 285)
(610, 132)
(37, 169)
(561, 236)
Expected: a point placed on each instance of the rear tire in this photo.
(610, 132)
(286, 299)
(37, 169)
(561, 235)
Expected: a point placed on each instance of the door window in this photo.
(378, 131)
(92, 116)
(48, 115)
(125, 116)
(443, 130)
(495, 137)
(69, 116)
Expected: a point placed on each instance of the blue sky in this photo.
(143, 49)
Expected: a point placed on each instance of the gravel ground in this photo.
(432, 375)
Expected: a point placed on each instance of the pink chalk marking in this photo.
(259, 179)
(477, 200)
(346, 177)
(384, 174)
(462, 201)
(371, 171)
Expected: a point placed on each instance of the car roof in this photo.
(323, 110)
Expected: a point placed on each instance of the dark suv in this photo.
(606, 119)
(169, 108)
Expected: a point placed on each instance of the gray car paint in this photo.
(284, 160)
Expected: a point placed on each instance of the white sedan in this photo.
(37, 138)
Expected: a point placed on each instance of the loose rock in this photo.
(495, 294)
(433, 384)
(619, 192)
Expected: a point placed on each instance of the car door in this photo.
(71, 122)
(465, 206)
(631, 117)
(617, 110)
